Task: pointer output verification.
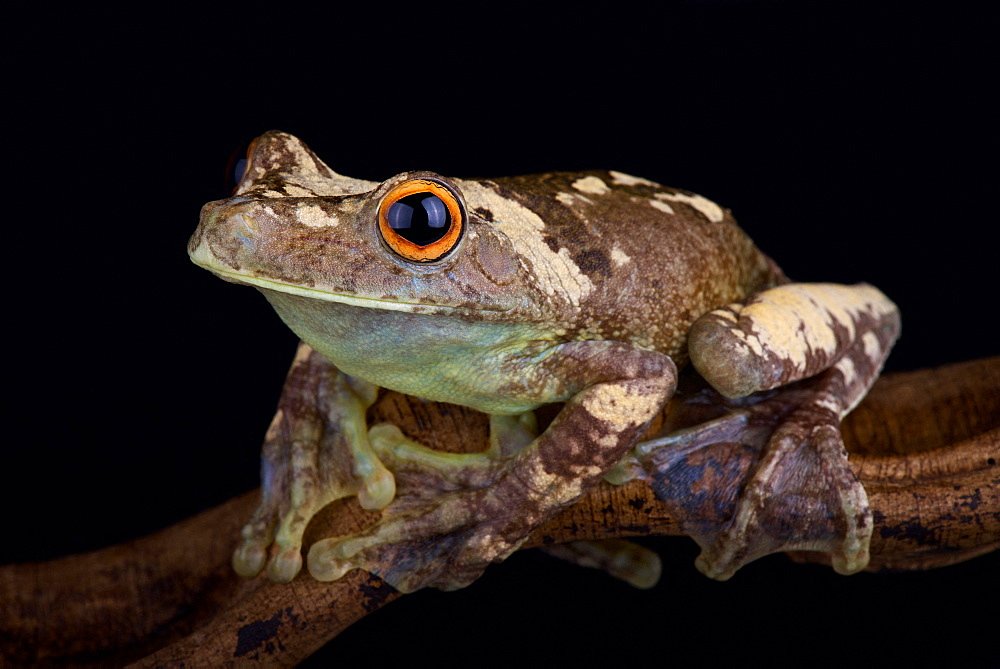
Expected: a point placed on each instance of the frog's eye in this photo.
(421, 220)
(236, 168)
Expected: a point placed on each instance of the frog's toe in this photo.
(250, 557)
(285, 564)
(430, 469)
(259, 549)
(621, 559)
(330, 559)
(324, 565)
(377, 488)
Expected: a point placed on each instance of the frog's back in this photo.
(651, 259)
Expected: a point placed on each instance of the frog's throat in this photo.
(353, 300)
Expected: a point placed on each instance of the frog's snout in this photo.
(226, 229)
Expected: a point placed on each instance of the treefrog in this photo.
(590, 289)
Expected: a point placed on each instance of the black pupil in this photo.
(421, 218)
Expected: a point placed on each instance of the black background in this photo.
(852, 141)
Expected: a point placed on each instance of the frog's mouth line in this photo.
(340, 298)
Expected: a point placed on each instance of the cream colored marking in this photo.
(629, 180)
(746, 347)
(570, 199)
(302, 353)
(314, 216)
(725, 315)
(619, 405)
(830, 403)
(555, 273)
(619, 257)
(591, 185)
(751, 342)
(274, 429)
(712, 211)
(606, 440)
(775, 317)
(300, 157)
(790, 320)
(272, 194)
(587, 470)
(662, 206)
(271, 212)
(298, 191)
(873, 349)
(551, 486)
(275, 157)
(846, 367)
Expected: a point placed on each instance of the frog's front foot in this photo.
(454, 513)
(316, 451)
(445, 542)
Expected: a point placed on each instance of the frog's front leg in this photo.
(614, 390)
(316, 451)
(800, 493)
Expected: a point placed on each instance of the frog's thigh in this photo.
(785, 334)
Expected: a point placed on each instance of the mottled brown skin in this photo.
(689, 263)
(570, 287)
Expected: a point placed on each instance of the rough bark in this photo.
(925, 444)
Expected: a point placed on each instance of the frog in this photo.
(585, 290)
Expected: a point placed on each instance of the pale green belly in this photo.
(478, 364)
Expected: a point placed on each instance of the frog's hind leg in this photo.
(316, 451)
(799, 492)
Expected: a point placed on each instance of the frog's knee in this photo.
(249, 558)
(377, 490)
(725, 356)
(783, 334)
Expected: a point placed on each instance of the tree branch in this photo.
(925, 444)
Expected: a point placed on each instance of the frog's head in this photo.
(409, 244)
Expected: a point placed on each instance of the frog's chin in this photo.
(340, 298)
